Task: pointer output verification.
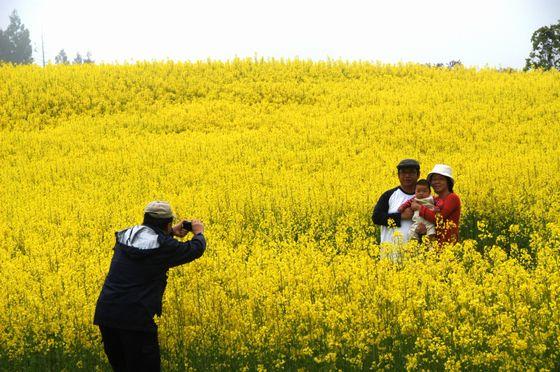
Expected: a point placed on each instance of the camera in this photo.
(187, 225)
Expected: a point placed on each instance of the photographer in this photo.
(133, 290)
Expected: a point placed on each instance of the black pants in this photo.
(131, 350)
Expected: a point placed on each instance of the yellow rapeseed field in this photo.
(283, 161)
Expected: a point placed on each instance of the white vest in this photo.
(388, 234)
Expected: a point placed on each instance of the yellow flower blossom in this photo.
(283, 161)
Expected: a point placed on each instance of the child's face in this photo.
(422, 191)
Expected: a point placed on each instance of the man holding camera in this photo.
(133, 290)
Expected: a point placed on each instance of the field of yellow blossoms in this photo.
(283, 161)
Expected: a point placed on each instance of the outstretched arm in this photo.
(405, 205)
(183, 252)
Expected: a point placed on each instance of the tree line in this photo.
(15, 47)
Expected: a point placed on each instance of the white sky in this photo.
(478, 32)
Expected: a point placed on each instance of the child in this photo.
(422, 196)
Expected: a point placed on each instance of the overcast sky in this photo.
(477, 32)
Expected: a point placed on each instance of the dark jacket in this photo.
(381, 215)
(133, 290)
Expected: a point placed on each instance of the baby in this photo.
(422, 196)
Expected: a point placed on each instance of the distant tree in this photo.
(78, 60)
(61, 58)
(15, 44)
(508, 70)
(449, 65)
(546, 48)
(88, 58)
(5, 47)
(454, 63)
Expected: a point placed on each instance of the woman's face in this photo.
(439, 183)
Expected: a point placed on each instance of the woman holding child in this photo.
(447, 206)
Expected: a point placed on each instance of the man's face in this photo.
(169, 228)
(408, 177)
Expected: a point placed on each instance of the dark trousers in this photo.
(131, 350)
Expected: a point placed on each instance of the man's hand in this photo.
(197, 227)
(178, 230)
(407, 214)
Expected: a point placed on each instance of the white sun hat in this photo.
(444, 170)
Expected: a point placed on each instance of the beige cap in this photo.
(159, 209)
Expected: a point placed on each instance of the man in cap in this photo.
(133, 290)
(386, 212)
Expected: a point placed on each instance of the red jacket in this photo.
(445, 216)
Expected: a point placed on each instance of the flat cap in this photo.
(408, 163)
